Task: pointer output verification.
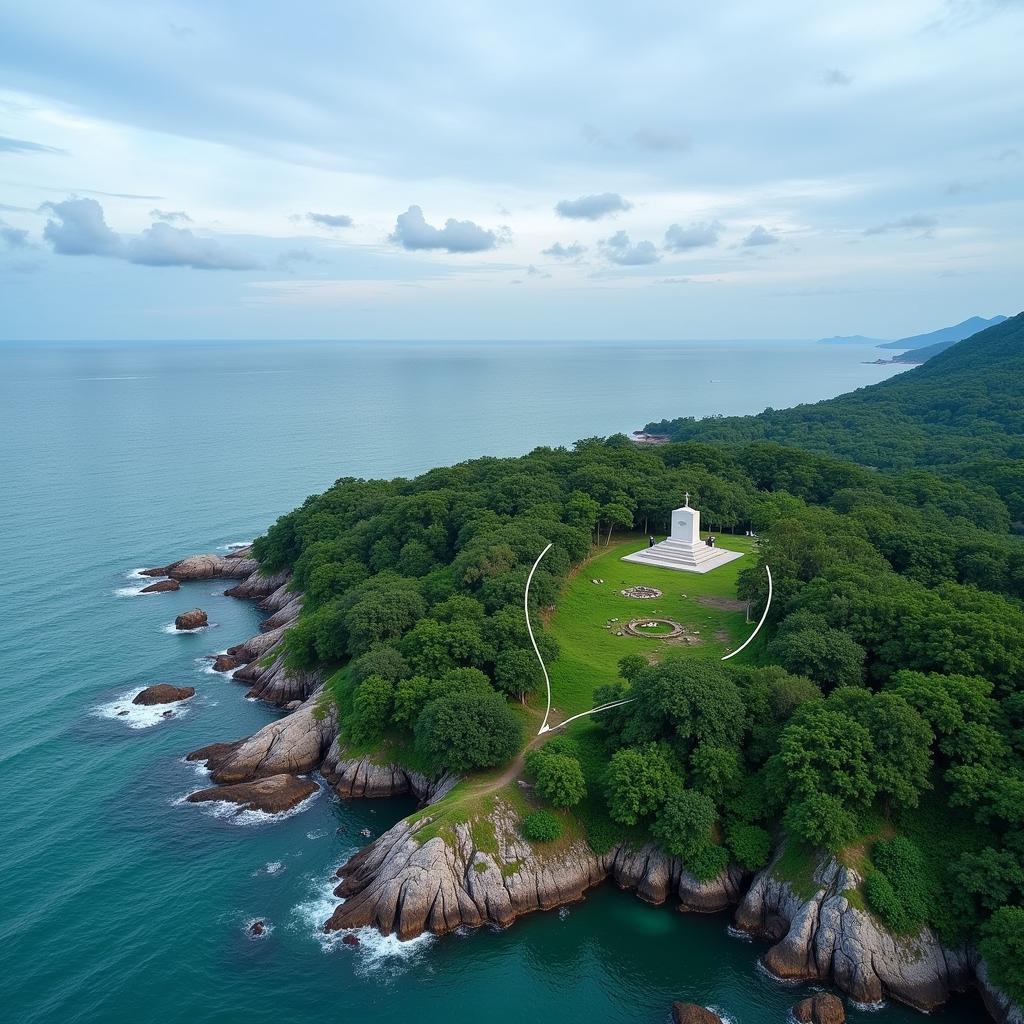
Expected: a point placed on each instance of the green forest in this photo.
(961, 411)
(880, 717)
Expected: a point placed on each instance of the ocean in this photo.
(119, 903)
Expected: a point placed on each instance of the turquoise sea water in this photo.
(119, 904)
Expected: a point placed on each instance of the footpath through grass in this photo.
(589, 616)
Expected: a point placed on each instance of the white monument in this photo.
(684, 550)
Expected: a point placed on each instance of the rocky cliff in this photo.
(418, 878)
(827, 937)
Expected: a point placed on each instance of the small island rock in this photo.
(163, 693)
(691, 1013)
(257, 928)
(821, 1008)
(225, 663)
(272, 795)
(161, 586)
(194, 619)
(351, 940)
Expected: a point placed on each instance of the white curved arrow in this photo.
(529, 629)
(764, 615)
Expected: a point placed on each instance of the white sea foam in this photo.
(738, 933)
(173, 629)
(206, 662)
(235, 545)
(140, 716)
(131, 591)
(199, 767)
(374, 950)
(138, 574)
(318, 833)
(267, 928)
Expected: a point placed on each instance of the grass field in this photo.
(591, 648)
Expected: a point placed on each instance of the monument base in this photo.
(682, 556)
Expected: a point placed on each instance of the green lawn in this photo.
(590, 648)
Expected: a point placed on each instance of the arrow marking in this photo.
(764, 615)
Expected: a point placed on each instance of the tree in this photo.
(560, 780)
(517, 672)
(751, 845)
(616, 513)
(371, 709)
(639, 780)
(683, 826)
(806, 645)
(384, 661)
(631, 665)
(463, 730)
(716, 771)
(1002, 946)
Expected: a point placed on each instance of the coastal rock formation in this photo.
(194, 619)
(161, 587)
(257, 585)
(408, 885)
(273, 795)
(208, 567)
(691, 1013)
(400, 885)
(821, 1008)
(294, 745)
(225, 663)
(278, 684)
(163, 693)
(256, 646)
(655, 875)
(829, 939)
(361, 777)
(997, 1002)
(284, 615)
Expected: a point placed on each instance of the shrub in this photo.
(901, 862)
(882, 899)
(560, 780)
(707, 862)
(541, 827)
(684, 824)
(751, 845)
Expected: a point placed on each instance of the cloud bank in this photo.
(79, 228)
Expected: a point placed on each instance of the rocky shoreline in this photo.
(410, 880)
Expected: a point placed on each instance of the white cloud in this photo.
(592, 207)
(79, 228)
(330, 220)
(760, 235)
(694, 236)
(618, 249)
(413, 232)
(558, 251)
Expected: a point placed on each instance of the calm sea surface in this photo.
(119, 904)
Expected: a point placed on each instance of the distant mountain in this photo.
(851, 339)
(916, 356)
(964, 406)
(947, 334)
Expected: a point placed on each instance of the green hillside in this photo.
(962, 408)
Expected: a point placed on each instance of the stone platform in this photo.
(683, 556)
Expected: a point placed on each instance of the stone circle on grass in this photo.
(659, 629)
(641, 593)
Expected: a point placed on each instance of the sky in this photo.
(496, 171)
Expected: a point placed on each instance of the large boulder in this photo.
(163, 693)
(273, 795)
(691, 1013)
(161, 587)
(194, 619)
(294, 744)
(225, 663)
(821, 1008)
